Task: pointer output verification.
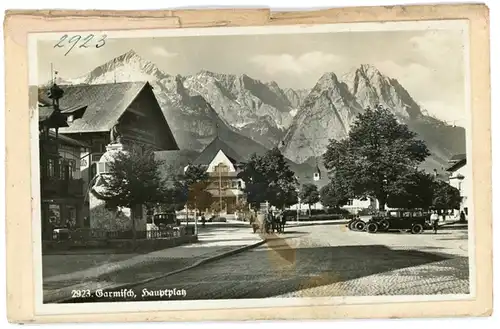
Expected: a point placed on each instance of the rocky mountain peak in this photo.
(131, 54)
(369, 71)
(328, 79)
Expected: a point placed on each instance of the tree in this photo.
(445, 196)
(309, 195)
(134, 179)
(217, 207)
(175, 196)
(198, 197)
(269, 178)
(333, 196)
(376, 153)
(414, 189)
(196, 181)
(195, 174)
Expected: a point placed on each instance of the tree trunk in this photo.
(134, 231)
(309, 210)
(382, 199)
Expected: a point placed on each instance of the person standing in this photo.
(462, 216)
(435, 221)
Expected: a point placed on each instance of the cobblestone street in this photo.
(328, 260)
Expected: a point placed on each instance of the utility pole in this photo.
(220, 191)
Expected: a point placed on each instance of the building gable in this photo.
(144, 120)
(219, 158)
(207, 155)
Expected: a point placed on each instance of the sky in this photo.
(428, 63)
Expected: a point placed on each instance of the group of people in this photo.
(273, 221)
(435, 217)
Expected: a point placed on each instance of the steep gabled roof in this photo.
(457, 165)
(105, 103)
(211, 150)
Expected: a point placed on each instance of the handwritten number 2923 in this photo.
(82, 42)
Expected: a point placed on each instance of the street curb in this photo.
(198, 263)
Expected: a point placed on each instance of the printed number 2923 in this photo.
(83, 41)
(80, 293)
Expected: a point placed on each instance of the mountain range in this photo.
(253, 116)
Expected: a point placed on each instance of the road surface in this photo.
(327, 260)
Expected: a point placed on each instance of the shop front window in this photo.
(55, 215)
(71, 216)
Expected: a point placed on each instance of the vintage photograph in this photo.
(253, 163)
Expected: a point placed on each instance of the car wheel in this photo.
(352, 225)
(384, 225)
(416, 229)
(360, 226)
(372, 228)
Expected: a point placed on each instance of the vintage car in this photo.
(409, 220)
(356, 224)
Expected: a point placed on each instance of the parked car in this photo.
(167, 220)
(409, 220)
(217, 219)
(356, 224)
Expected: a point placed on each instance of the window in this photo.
(104, 167)
(417, 214)
(60, 168)
(50, 168)
(406, 214)
(221, 168)
(393, 213)
(349, 202)
(71, 168)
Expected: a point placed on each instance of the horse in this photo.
(282, 223)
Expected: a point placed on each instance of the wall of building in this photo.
(353, 206)
(356, 205)
(462, 185)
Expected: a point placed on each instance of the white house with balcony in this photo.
(222, 164)
(459, 178)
